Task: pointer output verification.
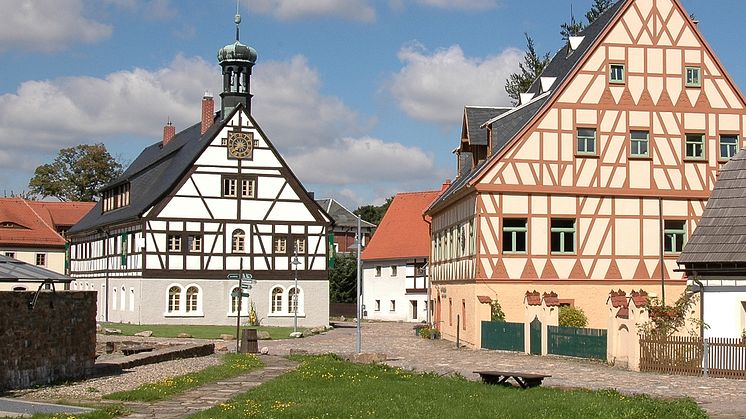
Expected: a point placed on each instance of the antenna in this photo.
(237, 19)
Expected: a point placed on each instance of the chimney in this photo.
(445, 185)
(208, 111)
(169, 131)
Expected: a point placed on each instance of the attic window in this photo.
(116, 197)
(693, 77)
(616, 74)
(9, 224)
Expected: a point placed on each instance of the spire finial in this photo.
(237, 19)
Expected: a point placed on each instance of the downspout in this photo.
(662, 250)
(428, 304)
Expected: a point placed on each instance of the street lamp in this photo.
(357, 245)
(295, 263)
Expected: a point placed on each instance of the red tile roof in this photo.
(484, 299)
(35, 223)
(403, 233)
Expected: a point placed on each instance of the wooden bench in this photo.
(525, 380)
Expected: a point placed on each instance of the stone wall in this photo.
(54, 341)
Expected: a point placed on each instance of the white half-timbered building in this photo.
(213, 200)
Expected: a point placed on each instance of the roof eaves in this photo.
(516, 109)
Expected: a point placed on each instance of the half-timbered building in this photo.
(214, 201)
(595, 181)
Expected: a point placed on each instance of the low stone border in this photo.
(116, 365)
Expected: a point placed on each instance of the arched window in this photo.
(292, 300)
(114, 299)
(123, 297)
(239, 241)
(277, 300)
(174, 297)
(192, 296)
(234, 299)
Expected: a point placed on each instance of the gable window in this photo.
(674, 235)
(639, 143)
(192, 298)
(230, 187)
(378, 271)
(11, 254)
(239, 241)
(616, 73)
(393, 271)
(248, 188)
(276, 300)
(728, 146)
(116, 197)
(563, 236)
(195, 243)
(514, 235)
(281, 245)
(174, 243)
(693, 77)
(174, 297)
(586, 141)
(41, 259)
(695, 146)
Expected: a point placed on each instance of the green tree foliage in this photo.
(572, 317)
(530, 70)
(572, 27)
(666, 320)
(343, 280)
(76, 174)
(496, 311)
(597, 9)
(372, 213)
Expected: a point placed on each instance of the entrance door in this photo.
(413, 304)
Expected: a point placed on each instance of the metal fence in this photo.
(577, 342)
(503, 336)
(684, 355)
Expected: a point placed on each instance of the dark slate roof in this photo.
(475, 117)
(508, 124)
(342, 216)
(720, 237)
(12, 270)
(152, 175)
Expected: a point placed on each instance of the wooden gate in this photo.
(685, 355)
(535, 328)
(503, 336)
(573, 341)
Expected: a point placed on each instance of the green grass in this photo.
(329, 387)
(233, 365)
(197, 331)
(107, 412)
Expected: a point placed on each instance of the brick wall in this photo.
(53, 342)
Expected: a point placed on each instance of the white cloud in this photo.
(47, 25)
(461, 4)
(149, 9)
(359, 10)
(362, 161)
(435, 87)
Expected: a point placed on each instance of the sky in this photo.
(363, 98)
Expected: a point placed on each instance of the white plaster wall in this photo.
(386, 288)
(724, 313)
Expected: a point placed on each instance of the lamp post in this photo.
(295, 262)
(358, 290)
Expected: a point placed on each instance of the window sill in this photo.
(569, 254)
(586, 156)
(286, 315)
(692, 86)
(183, 314)
(724, 160)
(695, 160)
(648, 158)
(515, 253)
(617, 82)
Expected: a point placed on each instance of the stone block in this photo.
(226, 336)
(183, 336)
(144, 334)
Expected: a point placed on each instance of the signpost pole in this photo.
(238, 312)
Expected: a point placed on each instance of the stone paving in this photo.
(721, 398)
(211, 395)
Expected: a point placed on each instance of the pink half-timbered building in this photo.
(595, 181)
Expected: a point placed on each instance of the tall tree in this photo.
(598, 7)
(343, 280)
(76, 174)
(573, 27)
(373, 213)
(530, 70)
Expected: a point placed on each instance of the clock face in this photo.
(240, 144)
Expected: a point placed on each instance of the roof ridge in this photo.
(417, 192)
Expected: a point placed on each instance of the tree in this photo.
(343, 280)
(573, 27)
(76, 174)
(372, 213)
(572, 317)
(530, 70)
(597, 9)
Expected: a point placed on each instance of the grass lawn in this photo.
(107, 412)
(233, 365)
(198, 331)
(329, 387)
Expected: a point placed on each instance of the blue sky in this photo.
(362, 97)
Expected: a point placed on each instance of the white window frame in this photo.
(245, 304)
(181, 310)
(285, 304)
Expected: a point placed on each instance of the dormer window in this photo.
(116, 197)
(10, 224)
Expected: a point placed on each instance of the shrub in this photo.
(572, 317)
(496, 311)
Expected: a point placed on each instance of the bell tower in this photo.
(236, 60)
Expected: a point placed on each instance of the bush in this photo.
(572, 317)
(496, 311)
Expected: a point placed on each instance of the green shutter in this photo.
(331, 253)
(124, 249)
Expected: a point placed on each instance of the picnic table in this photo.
(525, 380)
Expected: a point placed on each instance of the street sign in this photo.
(246, 286)
(247, 276)
(233, 276)
(242, 294)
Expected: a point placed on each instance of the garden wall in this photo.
(54, 341)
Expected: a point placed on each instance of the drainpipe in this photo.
(662, 249)
(428, 303)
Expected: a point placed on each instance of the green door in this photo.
(535, 328)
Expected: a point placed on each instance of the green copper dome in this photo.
(237, 52)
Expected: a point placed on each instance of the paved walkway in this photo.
(211, 395)
(721, 398)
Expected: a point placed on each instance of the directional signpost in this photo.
(245, 282)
